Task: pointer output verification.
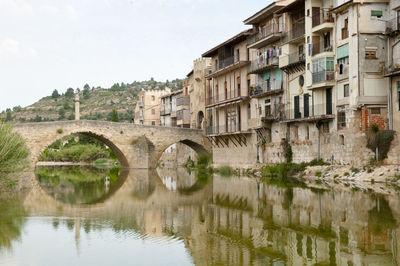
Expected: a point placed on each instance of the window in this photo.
(308, 39)
(346, 90)
(296, 133)
(308, 66)
(325, 127)
(341, 139)
(345, 30)
(307, 132)
(153, 112)
(343, 64)
(376, 13)
(248, 111)
(375, 111)
(153, 123)
(341, 119)
(267, 107)
(370, 54)
(153, 98)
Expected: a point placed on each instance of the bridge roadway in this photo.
(136, 146)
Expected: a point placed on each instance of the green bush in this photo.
(225, 171)
(354, 170)
(60, 131)
(75, 153)
(13, 151)
(318, 173)
(287, 151)
(203, 160)
(346, 174)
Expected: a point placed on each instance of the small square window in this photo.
(370, 54)
(153, 123)
(346, 91)
(376, 13)
(375, 111)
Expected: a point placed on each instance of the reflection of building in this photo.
(239, 221)
(148, 107)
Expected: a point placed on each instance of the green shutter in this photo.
(279, 74)
(266, 76)
(376, 13)
(398, 89)
(342, 51)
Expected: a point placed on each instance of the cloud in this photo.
(10, 47)
(17, 8)
(49, 9)
(71, 12)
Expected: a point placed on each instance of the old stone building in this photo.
(198, 85)
(227, 102)
(148, 107)
(169, 108)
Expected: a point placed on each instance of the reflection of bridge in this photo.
(136, 146)
(238, 221)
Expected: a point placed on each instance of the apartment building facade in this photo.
(148, 107)
(169, 109)
(227, 102)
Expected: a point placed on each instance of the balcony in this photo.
(323, 76)
(294, 60)
(226, 64)
(392, 26)
(296, 35)
(322, 21)
(320, 47)
(226, 97)
(263, 63)
(311, 113)
(183, 101)
(165, 111)
(267, 35)
(233, 128)
(266, 88)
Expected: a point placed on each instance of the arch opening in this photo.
(200, 119)
(81, 168)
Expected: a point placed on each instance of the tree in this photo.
(61, 112)
(86, 93)
(55, 94)
(114, 116)
(8, 115)
(86, 87)
(70, 93)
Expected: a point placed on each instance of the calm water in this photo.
(87, 216)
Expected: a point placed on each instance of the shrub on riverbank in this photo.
(13, 153)
(225, 171)
(203, 160)
(75, 153)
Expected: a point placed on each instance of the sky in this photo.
(57, 44)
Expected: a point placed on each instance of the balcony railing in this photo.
(223, 129)
(296, 57)
(223, 63)
(298, 30)
(322, 17)
(266, 31)
(322, 76)
(263, 62)
(393, 25)
(183, 100)
(266, 86)
(309, 112)
(225, 96)
(272, 112)
(320, 47)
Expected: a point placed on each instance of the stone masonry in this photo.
(136, 146)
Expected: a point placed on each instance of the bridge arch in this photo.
(116, 150)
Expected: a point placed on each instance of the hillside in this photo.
(95, 103)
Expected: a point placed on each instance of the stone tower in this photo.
(76, 100)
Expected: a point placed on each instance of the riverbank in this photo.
(382, 179)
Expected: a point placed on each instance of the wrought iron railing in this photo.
(266, 86)
(263, 62)
(308, 111)
(322, 17)
(320, 47)
(266, 31)
(228, 95)
(297, 30)
(322, 76)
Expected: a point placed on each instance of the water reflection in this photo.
(180, 218)
(12, 219)
(78, 184)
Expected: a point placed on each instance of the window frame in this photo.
(344, 90)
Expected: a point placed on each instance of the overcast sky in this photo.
(56, 44)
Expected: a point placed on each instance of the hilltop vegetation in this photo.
(96, 103)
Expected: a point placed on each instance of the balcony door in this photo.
(306, 105)
(297, 113)
(329, 101)
(316, 18)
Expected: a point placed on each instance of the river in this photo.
(87, 216)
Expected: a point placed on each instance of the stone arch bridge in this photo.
(136, 146)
